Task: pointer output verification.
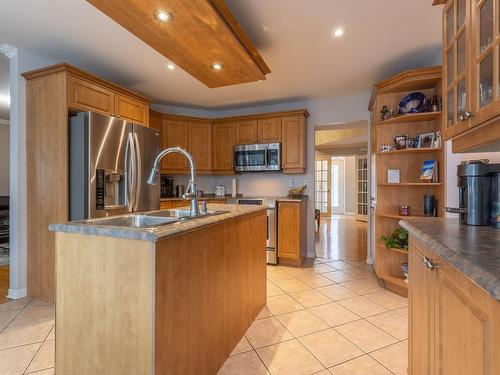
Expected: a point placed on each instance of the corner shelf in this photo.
(401, 251)
(412, 117)
(411, 151)
(413, 184)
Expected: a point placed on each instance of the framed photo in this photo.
(426, 140)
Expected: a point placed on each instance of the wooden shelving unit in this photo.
(410, 191)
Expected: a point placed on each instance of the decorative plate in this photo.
(412, 103)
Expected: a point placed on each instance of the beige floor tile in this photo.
(38, 303)
(362, 306)
(364, 365)
(243, 364)
(50, 371)
(273, 290)
(316, 281)
(310, 298)
(324, 372)
(359, 273)
(338, 276)
(336, 292)
(292, 285)
(340, 265)
(334, 314)
(279, 275)
(300, 272)
(289, 358)
(264, 313)
(282, 305)
(402, 311)
(44, 359)
(267, 331)
(363, 286)
(366, 335)
(24, 335)
(392, 323)
(15, 304)
(330, 347)
(34, 315)
(323, 268)
(7, 316)
(388, 299)
(301, 323)
(15, 361)
(242, 347)
(52, 334)
(394, 357)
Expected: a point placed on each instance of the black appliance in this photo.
(166, 186)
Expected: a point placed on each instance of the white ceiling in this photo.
(293, 36)
(4, 87)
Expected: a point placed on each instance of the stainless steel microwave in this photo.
(257, 158)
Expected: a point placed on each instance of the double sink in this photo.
(151, 219)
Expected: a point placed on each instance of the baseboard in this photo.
(349, 213)
(17, 293)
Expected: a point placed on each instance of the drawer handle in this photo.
(429, 263)
(467, 115)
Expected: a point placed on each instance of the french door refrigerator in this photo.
(110, 160)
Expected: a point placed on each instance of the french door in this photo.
(322, 186)
(338, 185)
(362, 188)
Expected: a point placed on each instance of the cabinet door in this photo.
(246, 132)
(289, 220)
(269, 130)
(155, 120)
(174, 134)
(456, 67)
(485, 60)
(420, 315)
(223, 147)
(200, 145)
(294, 139)
(131, 109)
(86, 96)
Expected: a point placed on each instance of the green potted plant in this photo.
(397, 240)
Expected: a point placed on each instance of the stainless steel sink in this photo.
(135, 221)
(182, 214)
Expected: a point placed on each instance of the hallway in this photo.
(342, 237)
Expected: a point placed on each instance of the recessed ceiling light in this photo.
(170, 66)
(338, 32)
(162, 16)
(216, 66)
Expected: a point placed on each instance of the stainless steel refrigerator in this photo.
(110, 160)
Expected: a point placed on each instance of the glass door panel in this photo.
(450, 25)
(461, 12)
(486, 80)
(461, 55)
(486, 17)
(450, 64)
(449, 109)
(322, 190)
(461, 99)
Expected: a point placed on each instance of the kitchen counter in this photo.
(158, 233)
(291, 199)
(474, 251)
(202, 198)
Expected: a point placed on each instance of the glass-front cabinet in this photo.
(471, 64)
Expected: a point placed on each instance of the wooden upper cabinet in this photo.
(294, 144)
(131, 109)
(223, 147)
(174, 134)
(246, 132)
(200, 144)
(155, 120)
(87, 96)
(269, 130)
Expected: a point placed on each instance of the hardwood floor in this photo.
(342, 238)
(4, 283)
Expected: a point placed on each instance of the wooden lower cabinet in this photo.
(292, 232)
(454, 324)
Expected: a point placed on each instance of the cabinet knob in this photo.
(429, 263)
(465, 116)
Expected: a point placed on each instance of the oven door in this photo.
(250, 158)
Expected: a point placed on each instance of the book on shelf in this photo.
(430, 171)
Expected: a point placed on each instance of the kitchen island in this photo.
(175, 299)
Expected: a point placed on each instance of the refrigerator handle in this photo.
(130, 168)
(138, 182)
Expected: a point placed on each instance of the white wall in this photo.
(4, 159)
(323, 112)
(350, 184)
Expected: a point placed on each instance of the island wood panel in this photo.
(210, 286)
(200, 145)
(174, 134)
(105, 305)
(269, 130)
(87, 96)
(47, 166)
(457, 348)
(223, 147)
(294, 152)
(246, 132)
(131, 110)
(208, 35)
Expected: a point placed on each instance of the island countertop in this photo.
(474, 251)
(160, 232)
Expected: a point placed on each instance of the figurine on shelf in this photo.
(386, 148)
(400, 142)
(385, 113)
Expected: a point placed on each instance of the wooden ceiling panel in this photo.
(200, 33)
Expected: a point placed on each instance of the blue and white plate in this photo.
(412, 103)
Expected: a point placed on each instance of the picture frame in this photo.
(426, 140)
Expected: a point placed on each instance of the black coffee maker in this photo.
(479, 193)
(166, 186)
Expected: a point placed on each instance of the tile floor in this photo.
(332, 318)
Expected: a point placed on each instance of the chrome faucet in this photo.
(191, 188)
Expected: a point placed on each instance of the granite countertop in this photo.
(162, 232)
(292, 199)
(203, 197)
(474, 251)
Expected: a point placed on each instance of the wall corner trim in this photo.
(8, 50)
